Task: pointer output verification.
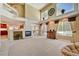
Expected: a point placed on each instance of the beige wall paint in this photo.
(75, 36)
(20, 8)
(51, 26)
(76, 25)
(48, 7)
(32, 13)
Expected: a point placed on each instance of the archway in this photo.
(44, 30)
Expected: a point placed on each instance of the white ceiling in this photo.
(38, 6)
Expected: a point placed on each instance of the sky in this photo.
(66, 6)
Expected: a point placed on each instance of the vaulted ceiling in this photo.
(38, 6)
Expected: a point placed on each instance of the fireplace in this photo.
(18, 35)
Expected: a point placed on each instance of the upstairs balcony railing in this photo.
(9, 9)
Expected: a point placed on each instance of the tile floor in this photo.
(37, 46)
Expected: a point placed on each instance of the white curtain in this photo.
(64, 28)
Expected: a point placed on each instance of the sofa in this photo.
(71, 50)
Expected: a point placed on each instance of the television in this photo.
(27, 33)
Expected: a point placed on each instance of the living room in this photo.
(31, 29)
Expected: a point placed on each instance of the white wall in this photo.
(29, 25)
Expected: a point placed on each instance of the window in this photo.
(64, 28)
(68, 7)
(44, 15)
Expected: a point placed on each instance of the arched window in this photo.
(68, 7)
(64, 28)
(44, 29)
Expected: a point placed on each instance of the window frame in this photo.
(62, 32)
(73, 9)
(44, 14)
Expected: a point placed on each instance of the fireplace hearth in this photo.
(18, 35)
